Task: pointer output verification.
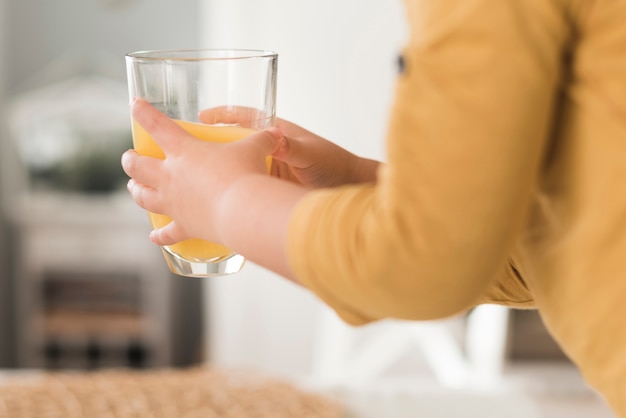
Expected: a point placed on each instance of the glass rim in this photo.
(205, 54)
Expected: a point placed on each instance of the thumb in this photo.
(164, 131)
(265, 142)
(301, 152)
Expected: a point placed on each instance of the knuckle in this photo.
(152, 123)
(138, 195)
(141, 196)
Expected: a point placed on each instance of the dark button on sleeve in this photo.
(401, 64)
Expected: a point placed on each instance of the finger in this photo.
(298, 145)
(301, 148)
(168, 235)
(293, 152)
(145, 196)
(247, 117)
(263, 142)
(165, 132)
(143, 169)
(281, 170)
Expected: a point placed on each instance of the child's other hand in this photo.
(313, 161)
(301, 156)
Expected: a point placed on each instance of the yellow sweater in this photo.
(505, 181)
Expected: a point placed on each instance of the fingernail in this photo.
(130, 184)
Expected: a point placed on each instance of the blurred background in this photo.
(82, 288)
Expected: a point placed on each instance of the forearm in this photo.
(465, 146)
(252, 220)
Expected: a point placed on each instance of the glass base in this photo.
(189, 268)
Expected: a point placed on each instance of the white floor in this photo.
(558, 390)
(527, 391)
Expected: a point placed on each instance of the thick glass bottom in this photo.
(201, 268)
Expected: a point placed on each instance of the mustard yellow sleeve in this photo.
(471, 118)
(509, 289)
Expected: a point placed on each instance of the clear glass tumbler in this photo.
(216, 95)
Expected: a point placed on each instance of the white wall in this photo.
(40, 32)
(336, 72)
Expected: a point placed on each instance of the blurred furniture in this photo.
(530, 339)
(472, 357)
(66, 74)
(91, 290)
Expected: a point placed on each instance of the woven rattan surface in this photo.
(200, 392)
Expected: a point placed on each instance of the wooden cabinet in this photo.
(92, 291)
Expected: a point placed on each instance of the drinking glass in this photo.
(218, 95)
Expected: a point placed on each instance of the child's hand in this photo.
(189, 183)
(301, 156)
(315, 162)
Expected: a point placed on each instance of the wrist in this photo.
(232, 208)
(364, 170)
(252, 218)
(252, 209)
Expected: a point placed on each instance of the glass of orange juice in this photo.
(217, 95)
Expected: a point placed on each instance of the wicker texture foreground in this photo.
(200, 392)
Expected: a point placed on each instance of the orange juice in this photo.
(191, 249)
